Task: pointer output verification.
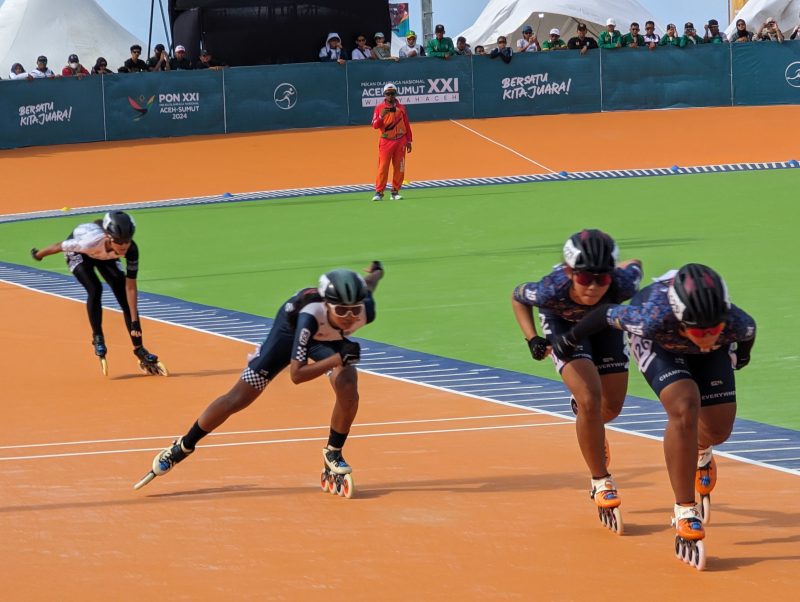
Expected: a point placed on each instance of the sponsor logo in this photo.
(792, 74)
(414, 91)
(42, 113)
(534, 85)
(143, 108)
(305, 335)
(285, 96)
(177, 105)
(716, 383)
(672, 373)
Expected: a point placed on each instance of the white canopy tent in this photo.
(56, 29)
(756, 12)
(507, 17)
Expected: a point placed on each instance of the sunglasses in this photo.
(361, 40)
(586, 278)
(390, 93)
(118, 241)
(343, 311)
(699, 333)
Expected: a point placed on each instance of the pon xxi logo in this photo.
(285, 96)
(792, 74)
(141, 106)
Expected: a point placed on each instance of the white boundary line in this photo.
(493, 141)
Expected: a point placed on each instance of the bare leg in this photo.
(238, 398)
(584, 383)
(681, 400)
(345, 384)
(615, 387)
(716, 424)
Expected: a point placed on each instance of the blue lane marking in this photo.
(765, 444)
(328, 190)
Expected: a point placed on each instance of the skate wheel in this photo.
(332, 484)
(104, 366)
(323, 480)
(347, 487)
(699, 558)
(616, 521)
(162, 369)
(145, 480)
(705, 509)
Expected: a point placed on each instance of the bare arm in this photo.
(524, 315)
(39, 254)
(132, 294)
(374, 274)
(301, 372)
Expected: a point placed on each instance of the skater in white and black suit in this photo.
(314, 323)
(100, 245)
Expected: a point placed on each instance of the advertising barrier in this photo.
(766, 74)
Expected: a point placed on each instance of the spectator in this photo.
(610, 38)
(382, 50)
(101, 67)
(180, 62)
(391, 118)
(462, 48)
(362, 52)
(74, 67)
(769, 32)
(581, 41)
(332, 51)
(411, 49)
(160, 59)
(690, 37)
(134, 64)
(741, 34)
(207, 61)
(671, 38)
(633, 39)
(440, 46)
(651, 38)
(42, 70)
(795, 31)
(18, 72)
(713, 35)
(502, 50)
(480, 50)
(555, 42)
(529, 42)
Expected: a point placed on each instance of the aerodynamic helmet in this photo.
(342, 287)
(591, 250)
(119, 225)
(698, 296)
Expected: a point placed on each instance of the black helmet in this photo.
(591, 250)
(342, 287)
(698, 296)
(119, 225)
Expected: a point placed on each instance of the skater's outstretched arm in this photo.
(374, 274)
(132, 294)
(39, 254)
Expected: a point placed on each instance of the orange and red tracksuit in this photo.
(395, 134)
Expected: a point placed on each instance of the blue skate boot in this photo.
(149, 362)
(165, 460)
(100, 350)
(336, 474)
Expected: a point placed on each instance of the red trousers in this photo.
(394, 152)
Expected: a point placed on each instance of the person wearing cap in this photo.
(440, 46)
(581, 41)
(180, 62)
(713, 35)
(411, 48)
(651, 38)
(529, 41)
(690, 37)
(361, 52)
(555, 42)
(610, 38)
(134, 64)
(502, 50)
(42, 70)
(332, 51)
(633, 39)
(741, 34)
(462, 48)
(391, 119)
(769, 32)
(101, 67)
(382, 51)
(74, 67)
(160, 59)
(207, 61)
(671, 38)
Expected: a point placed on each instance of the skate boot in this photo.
(604, 493)
(704, 480)
(100, 350)
(149, 362)
(689, 534)
(164, 461)
(335, 476)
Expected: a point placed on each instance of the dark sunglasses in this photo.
(586, 278)
(136, 52)
(361, 40)
(118, 241)
(390, 93)
(347, 310)
(700, 333)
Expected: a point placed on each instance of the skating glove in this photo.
(34, 251)
(538, 346)
(350, 351)
(564, 345)
(741, 360)
(135, 325)
(376, 265)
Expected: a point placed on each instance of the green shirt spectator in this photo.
(671, 38)
(690, 37)
(555, 42)
(610, 38)
(440, 46)
(633, 38)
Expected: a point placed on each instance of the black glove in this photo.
(135, 325)
(34, 250)
(350, 352)
(564, 345)
(376, 265)
(741, 361)
(538, 347)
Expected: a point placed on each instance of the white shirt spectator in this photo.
(17, 72)
(407, 51)
(522, 43)
(36, 73)
(361, 55)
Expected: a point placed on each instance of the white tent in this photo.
(755, 12)
(507, 17)
(58, 28)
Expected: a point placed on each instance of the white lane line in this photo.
(509, 149)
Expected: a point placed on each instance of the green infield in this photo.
(454, 255)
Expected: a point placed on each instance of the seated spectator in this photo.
(480, 50)
(713, 35)
(633, 39)
(42, 70)
(690, 37)
(741, 34)
(332, 51)
(160, 59)
(462, 48)
(581, 41)
(134, 64)
(101, 67)
(411, 48)
(769, 32)
(74, 67)
(382, 50)
(180, 62)
(529, 42)
(610, 38)
(651, 38)
(671, 38)
(18, 72)
(555, 42)
(207, 61)
(361, 52)
(502, 50)
(440, 46)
